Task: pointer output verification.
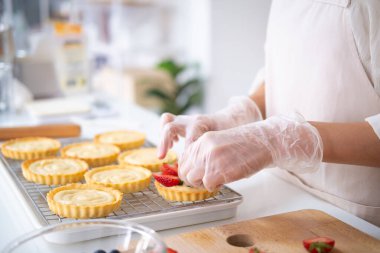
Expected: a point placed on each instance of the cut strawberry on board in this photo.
(167, 180)
(169, 250)
(319, 244)
(168, 169)
(255, 250)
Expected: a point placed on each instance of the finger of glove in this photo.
(196, 130)
(191, 159)
(166, 118)
(170, 133)
(211, 181)
(173, 127)
(194, 176)
(183, 167)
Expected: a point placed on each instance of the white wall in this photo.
(237, 29)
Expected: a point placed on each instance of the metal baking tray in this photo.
(145, 207)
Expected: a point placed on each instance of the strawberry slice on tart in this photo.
(168, 180)
(168, 169)
(172, 188)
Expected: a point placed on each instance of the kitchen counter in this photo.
(264, 194)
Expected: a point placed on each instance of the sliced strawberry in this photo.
(169, 250)
(168, 169)
(255, 250)
(167, 180)
(173, 166)
(319, 244)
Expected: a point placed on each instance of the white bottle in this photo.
(70, 58)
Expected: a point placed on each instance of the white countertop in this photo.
(264, 194)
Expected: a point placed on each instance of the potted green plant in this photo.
(187, 91)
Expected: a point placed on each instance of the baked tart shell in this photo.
(123, 145)
(92, 161)
(53, 179)
(154, 167)
(127, 187)
(174, 194)
(85, 211)
(30, 154)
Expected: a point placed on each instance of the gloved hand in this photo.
(241, 110)
(221, 157)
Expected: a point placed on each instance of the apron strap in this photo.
(341, 3)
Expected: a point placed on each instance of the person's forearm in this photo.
(259, 97)
(349, 143)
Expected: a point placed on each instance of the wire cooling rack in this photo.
(140, 204)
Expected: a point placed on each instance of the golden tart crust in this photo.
(122, 139)
(146, 157)
(95, 154)
(30, 148)
(183, 193)
(54, 170)
(83, 200)
(126, 178)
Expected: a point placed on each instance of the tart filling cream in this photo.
(33, 145)
(95, 154)
(126, 178)
(120, 176)
(62, 166)
(83, 197)
(83, 200)
(54, 171)
(30, 148)
(89, 150)
(146, 157)
(122, 139)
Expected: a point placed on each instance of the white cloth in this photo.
(313, 67)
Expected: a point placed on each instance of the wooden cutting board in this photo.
(281, 233)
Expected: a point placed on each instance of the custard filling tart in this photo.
(30, 148)
(183, 192)
(95, 154)
(172, 188)
(147, 158)
(122, 139)
(126, 178)
(83, 200)
(53, 171)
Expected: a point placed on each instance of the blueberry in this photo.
(114, 251)
(100, 251)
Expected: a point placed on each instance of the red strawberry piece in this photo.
(255, 250)
(319, 244)
(168, 169)
(167, 180)
(169, 250)
(173, 166)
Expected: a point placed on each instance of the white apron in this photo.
(313, 67)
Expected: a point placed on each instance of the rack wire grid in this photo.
(144, 203)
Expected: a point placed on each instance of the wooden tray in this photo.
(281, 233)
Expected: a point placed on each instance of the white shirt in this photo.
(365, 15)
(365, 19)
(313, 66)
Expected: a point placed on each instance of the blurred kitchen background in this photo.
(185, 56)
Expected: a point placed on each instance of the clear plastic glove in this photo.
(241, 110)
(224, 156)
